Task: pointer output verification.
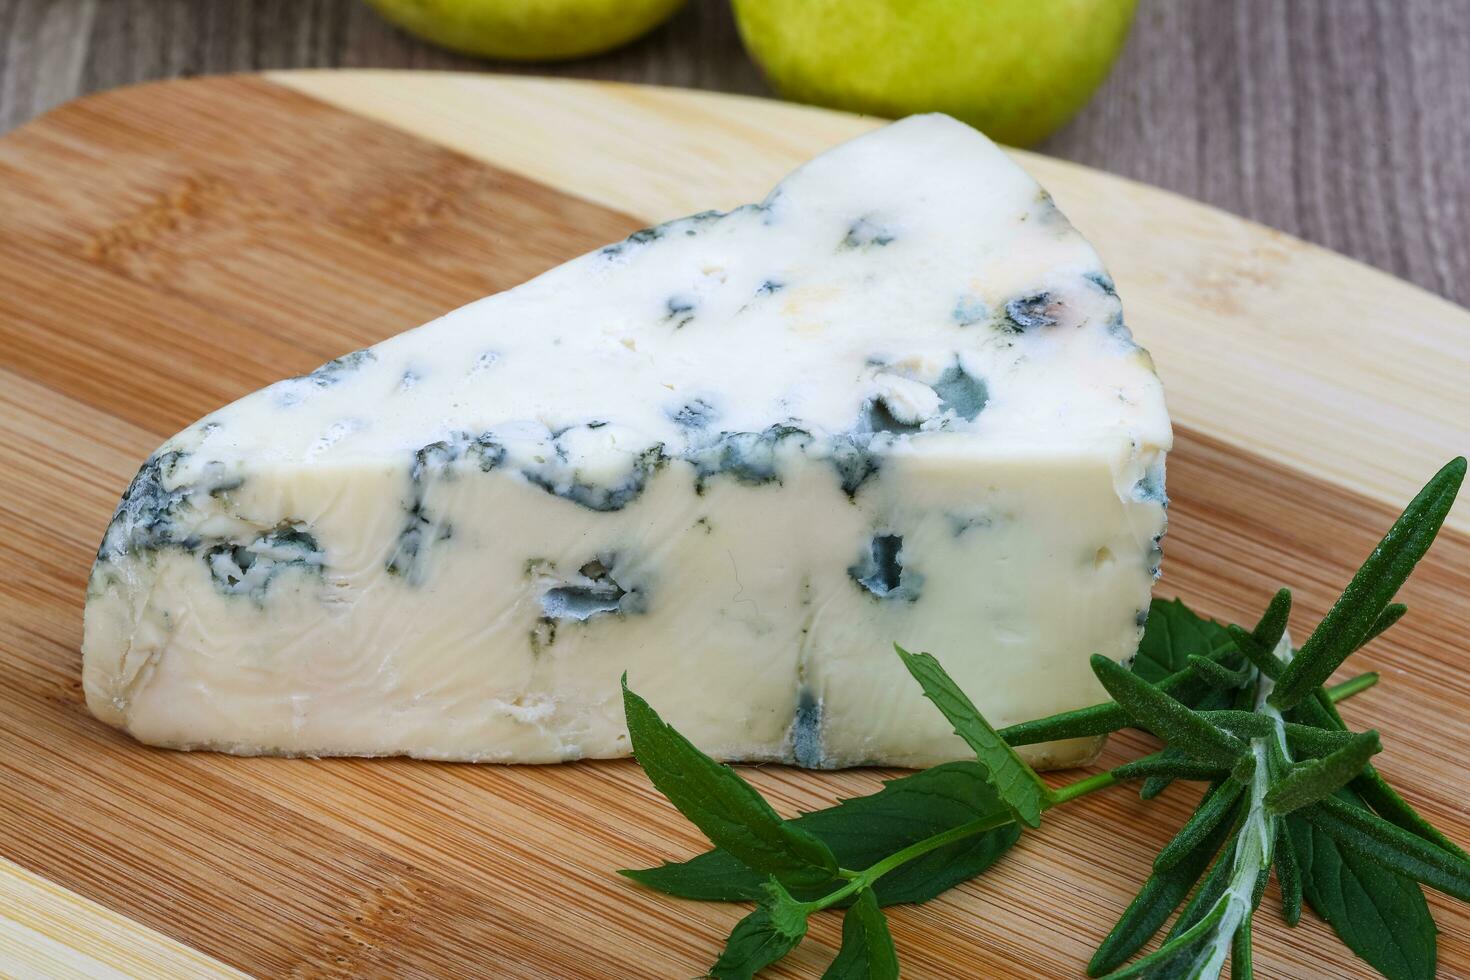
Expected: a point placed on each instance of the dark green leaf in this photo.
(1381, 916)
(1261, 656)
(1370, 786)
(1272, 625)
(1317, 778)
(1241, 724)
(1213, 699)
(1170, 764)
(1218, 675)
(1310, 742)
(1156, 901)
(755, 944)
(787, 914)
(1350, 620)
(1391, 614)
(1288, 875)
(863, 831)
(867, 951)
(1390, 846)
(1172, 960)
(1172, 634)
(1017, 784)
(725, 807)
(1205, 899)
(1176, 723)
(1097, 719)
(1240, 952)
(1219, 804)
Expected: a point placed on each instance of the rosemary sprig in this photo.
(1290, 788)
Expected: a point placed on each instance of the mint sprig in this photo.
(1291, 789)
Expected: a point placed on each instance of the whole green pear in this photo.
(1014, 69)
(528, 30)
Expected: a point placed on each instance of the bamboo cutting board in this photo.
(166, 249)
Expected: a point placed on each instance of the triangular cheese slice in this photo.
(738, 456)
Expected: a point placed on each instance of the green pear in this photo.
(1014, 69)
(528, 30)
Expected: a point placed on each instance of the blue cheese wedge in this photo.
(738, 456)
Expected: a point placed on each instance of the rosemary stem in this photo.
(1354, 685)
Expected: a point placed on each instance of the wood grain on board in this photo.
(1342, 121)
(166, 249)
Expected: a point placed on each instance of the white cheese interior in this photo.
(737, 455)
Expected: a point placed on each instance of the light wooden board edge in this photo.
(1233, 312)
(48, 931)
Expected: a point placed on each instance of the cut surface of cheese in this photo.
(738, 456)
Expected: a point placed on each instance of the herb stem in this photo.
(1354, 685)
(864, 879)
(1069, 792)
(859, 880)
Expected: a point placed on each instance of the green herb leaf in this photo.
(1208, 896)
(863, 831)
(1240, 952)
(787, 914)
(1261, 657)
(1288, 874)
(1173, 959)
(867, 951)
(1318, 778)
(1348, 623)
(1390, 846)
(1310, 742)
(725, 807)
(1155, 902)
(1272, 625)
(1168, 764)
(1380, 916)
(1173, 633)
(755, 944)
(1097, 719)
(1390, 615)
(1217, 675)
(1370, 786)
(1017, 784)
(1219, 804)
(1241, 724)
(1180, 726)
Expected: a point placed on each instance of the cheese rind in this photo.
(737, 455)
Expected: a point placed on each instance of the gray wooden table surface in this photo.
(1346, 122)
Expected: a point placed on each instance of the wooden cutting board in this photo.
(166, 249)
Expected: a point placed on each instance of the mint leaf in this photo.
(755, 944)
(863, 831)
(725, 807)
(1017, 784)
(1172, 634)
(1379, 915)
(867, 951)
